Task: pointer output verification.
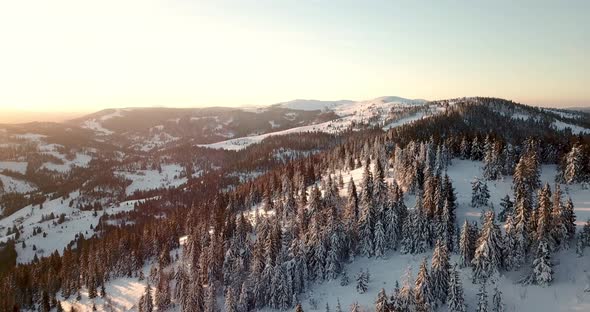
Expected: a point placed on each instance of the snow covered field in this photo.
(16, 166)
(58, 235)
(143, 180)
(12, 185)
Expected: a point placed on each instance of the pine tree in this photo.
(492, 168)
(230, 302)
(479, 193)
(482, 298)
(407, 298)
(355, 307)
(92, 293)
(449, 212)
(162, 296)
(333, 266)
(210, 299)
(298, 308)
(497, 304)
(455, 300)
(338, 306)
(476, 149)
(507, 208)
(569, 219)
(425, 300)
(148, 305)
(465, 149)
(439, 272)
(380, 240)
(381, 304)
(367, 217)
(544, 221)
(542, 270)
(574, 166)
(362, 281)
(465, 245)
(487, 260)
(344, 280)
(243, 300)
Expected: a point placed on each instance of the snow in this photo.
(116, 113)
(81, 160)
(564, 114)
(404, 121)
(96, 126)
(13, 185)
(349, 112)
(122, 294)
(58, 235)
(311, 105)
(30, 136)
(560, 125)
(565, 294)
(155, 141)
(16, 166)
(143, 180)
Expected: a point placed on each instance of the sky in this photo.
(82, 56)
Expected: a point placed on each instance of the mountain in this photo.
(268, 219)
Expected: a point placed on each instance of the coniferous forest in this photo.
(264, 226)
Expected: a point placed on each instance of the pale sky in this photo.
(71, 56)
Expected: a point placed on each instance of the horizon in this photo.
(22, 116)
(62, 58)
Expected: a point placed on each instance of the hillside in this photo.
(266, 220)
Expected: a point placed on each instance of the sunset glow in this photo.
(87, 55)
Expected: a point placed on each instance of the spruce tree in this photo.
(439, 272)
(367, 214)
(148, 303)
(338, 306)
(573, 166)
(425, 300)
(455, 299)
(542, 269)
(479, 193)
(407, 297)
(381, 304)
(361, 282)
(487, 260)
(497, 304)
(298, 308)
(569, 219)
(465, 246)
(482, 298)
(380, 240)
(507, 208)
(230, 302)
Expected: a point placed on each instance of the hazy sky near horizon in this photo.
(76, 55)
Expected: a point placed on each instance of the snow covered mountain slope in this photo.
(566, 294)
(387, 112)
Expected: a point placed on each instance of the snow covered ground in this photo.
(81, 160)
(560, 125)
(143, 180)
(12, 185)
(58, 235)
(350, 112)
(16, 166)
